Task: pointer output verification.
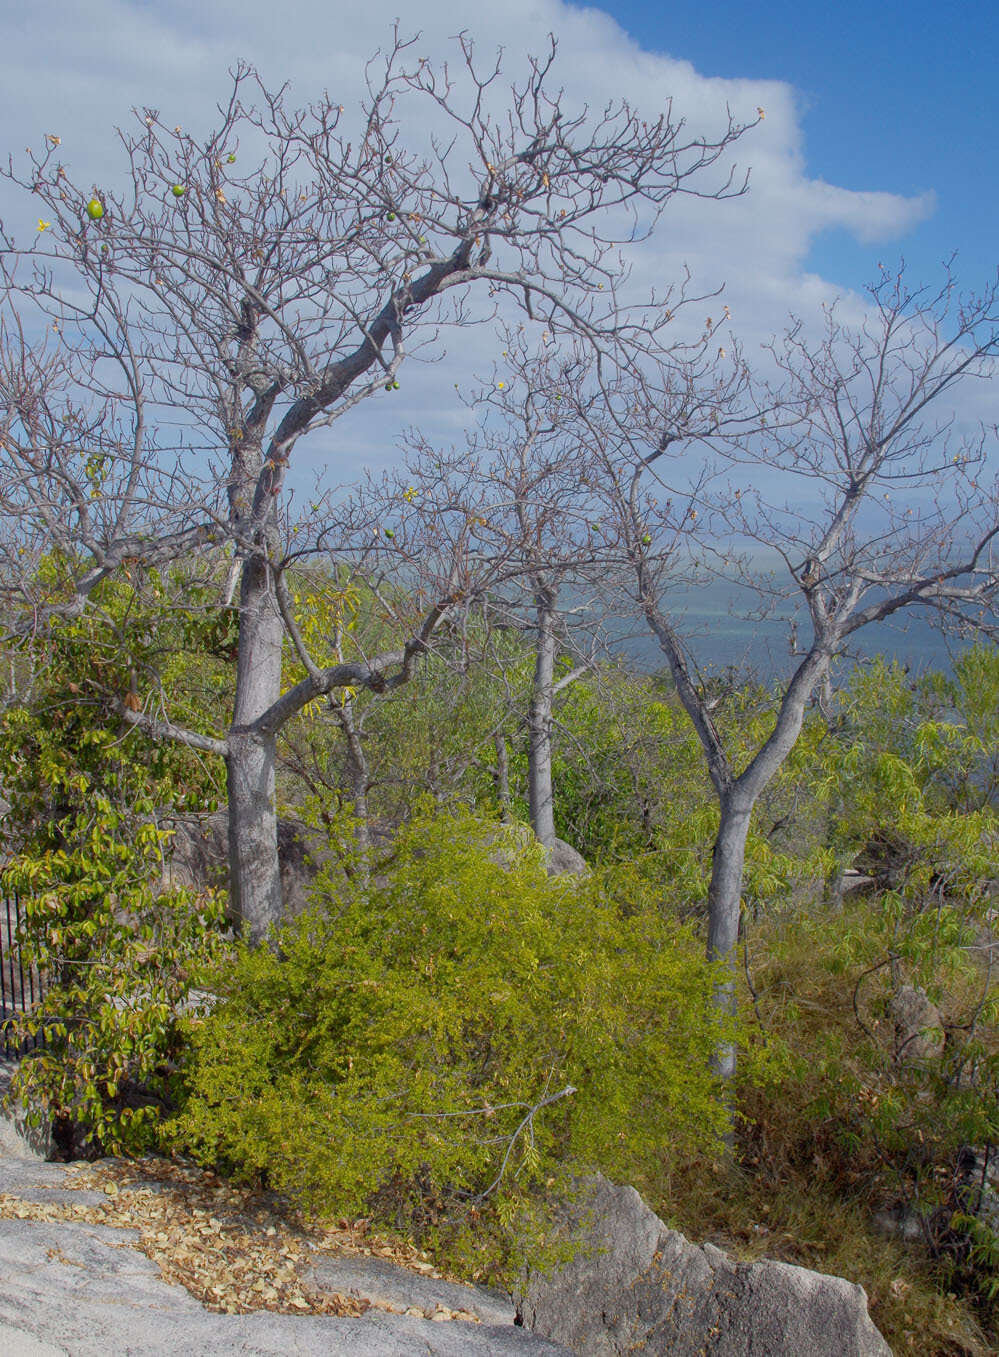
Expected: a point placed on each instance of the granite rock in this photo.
(636, 1286)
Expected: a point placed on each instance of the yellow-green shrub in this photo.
(398, 1047)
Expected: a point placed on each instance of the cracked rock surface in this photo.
(153, 1256)
(150, 1258)
(637, 1286)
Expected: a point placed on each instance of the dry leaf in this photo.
(232, 1249)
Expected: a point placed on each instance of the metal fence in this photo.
(21, 986)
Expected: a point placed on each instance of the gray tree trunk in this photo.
(254, 871)
(502, 777)
(539, 725)
(724, 905)
(357, 776)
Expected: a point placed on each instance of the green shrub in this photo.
(83, 849)
(121, 961)
(456, 1033)
(861, 1122)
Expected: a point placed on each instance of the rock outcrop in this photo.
(561, 859)
(919, 1033)
(17, 1138)
(198, 856)
(72, 1286)
(637, 1286)
(198, 853)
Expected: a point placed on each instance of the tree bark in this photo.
(539, 724)
(254, 870)
(502, 776)
(357, 777)
(724, 905)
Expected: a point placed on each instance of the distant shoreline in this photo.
(719, 641)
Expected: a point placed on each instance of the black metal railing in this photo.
(21, 986)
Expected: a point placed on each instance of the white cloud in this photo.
(871, 217)
(77, 71)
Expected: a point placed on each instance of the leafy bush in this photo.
(865, 1121)
(458, 1032)
(84, 851)
(121, 960)
(909, 773)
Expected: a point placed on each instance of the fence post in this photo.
(20, 984)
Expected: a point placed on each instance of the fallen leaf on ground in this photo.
(233, 1249)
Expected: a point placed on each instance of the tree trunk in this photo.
(502, 777)
(357, 777)
(539, 724)
(254, 871)
(724, 901)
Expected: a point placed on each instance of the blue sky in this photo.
(878, 140)
(897, 97)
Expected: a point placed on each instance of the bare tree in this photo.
(244, 291)
(535, 508)
(411, 546)
(849, 471)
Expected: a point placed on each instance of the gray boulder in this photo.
(86, 1290)
(512, 840)
(561, 859)
(636, 1285)
(17, 1138)
(978, 1193)
(919, 1033)
(198, 856)
(400, 1290)
(198, 853)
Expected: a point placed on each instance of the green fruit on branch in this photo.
(178, 190)
(389, 533)
(95, 209)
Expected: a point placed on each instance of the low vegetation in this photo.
(448, 1033)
